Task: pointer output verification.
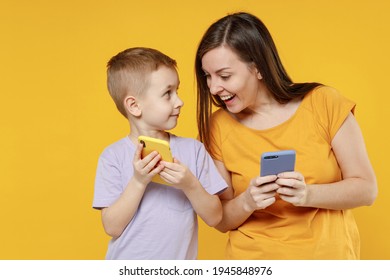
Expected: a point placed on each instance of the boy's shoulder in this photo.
(179, 140)
(118, 146)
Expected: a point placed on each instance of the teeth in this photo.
(226, 97)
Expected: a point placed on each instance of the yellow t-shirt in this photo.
(284, 231)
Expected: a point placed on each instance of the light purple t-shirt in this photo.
(165, 225)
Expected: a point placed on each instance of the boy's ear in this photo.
(132, 106)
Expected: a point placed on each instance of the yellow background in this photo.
(56, 115)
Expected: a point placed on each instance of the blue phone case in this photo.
(273, 163)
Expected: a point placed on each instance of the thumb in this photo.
(175, 160)
(138, 152)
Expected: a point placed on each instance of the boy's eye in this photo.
(167, 94)
(170, 92)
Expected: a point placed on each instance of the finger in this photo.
(263, 180)
(151, 161)
(166, 176)
(291, 175)
(166, 172)
(157, 169)
(264, 202)
(175, 167)
(286, 191)
(138, 152)
(268, 202)
(263, 192)
(151, 156)
(266, 188)
(286, 182)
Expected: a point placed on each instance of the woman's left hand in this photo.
(293, 188)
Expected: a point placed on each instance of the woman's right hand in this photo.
(260, 193)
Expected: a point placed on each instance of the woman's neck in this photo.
(267, 114)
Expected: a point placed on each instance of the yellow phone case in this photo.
(162, 147)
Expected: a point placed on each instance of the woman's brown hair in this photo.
(250, 39)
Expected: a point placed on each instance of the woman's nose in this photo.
(214, 87)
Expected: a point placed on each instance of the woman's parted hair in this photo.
(250, 39)
(128, 72)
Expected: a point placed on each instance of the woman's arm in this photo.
(259, 195)
(358, 186)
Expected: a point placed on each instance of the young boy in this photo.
(147, 220)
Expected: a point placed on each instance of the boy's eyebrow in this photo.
(171, 86)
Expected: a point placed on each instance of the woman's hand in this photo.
(292, 188)
(261, 193)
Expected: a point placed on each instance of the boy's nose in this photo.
(179, 102)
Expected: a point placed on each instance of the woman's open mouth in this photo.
(226, 98)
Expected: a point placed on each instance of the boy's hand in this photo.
(145, 168)
(177, 174)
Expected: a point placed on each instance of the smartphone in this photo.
(161, 146)
(273, 163)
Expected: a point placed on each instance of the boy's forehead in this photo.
(164, 75)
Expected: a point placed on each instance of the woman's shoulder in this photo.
(323, 96)
(222, 118)
(327, 103)
(323, 92)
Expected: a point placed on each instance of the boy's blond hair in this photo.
(128, 72)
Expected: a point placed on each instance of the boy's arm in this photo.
(117, 216)
(207, 206)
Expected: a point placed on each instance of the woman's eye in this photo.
(225, 77)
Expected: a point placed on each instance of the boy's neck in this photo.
(163, 135)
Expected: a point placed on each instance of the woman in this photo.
(305, 214)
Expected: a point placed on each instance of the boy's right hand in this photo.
(145, 168)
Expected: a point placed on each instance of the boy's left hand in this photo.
(177, 174)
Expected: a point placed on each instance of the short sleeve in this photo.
(108, 186)
(331, 109)
(207, 173)
(215, 137)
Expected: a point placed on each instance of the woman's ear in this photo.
(258, 75)
(257, 72)
(132, 106)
